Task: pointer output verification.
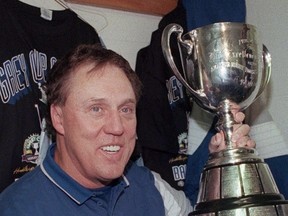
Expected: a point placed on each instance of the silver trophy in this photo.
(225, 67)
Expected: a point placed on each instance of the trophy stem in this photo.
(226, 122)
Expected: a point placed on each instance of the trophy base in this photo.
(238, 182)
(263, 205)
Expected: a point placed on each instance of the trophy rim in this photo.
(232, 156)
(221, 24)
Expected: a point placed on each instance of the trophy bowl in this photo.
(225, 67)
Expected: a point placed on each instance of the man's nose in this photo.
(114, 123)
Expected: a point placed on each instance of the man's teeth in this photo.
(112, 148)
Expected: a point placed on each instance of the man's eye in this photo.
(96, 109)
(127, 110)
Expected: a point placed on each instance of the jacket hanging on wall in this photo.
(200, 13)
(162, 110)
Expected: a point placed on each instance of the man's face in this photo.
(96, 128)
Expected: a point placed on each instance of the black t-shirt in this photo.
(30, 45)
(163, 108)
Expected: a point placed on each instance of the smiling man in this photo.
(95, 124)
(92, 95)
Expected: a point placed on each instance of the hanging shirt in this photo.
(30, 45)
(163, 108)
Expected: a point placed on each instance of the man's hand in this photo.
(240, 137)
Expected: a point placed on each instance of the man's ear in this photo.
(57, 118)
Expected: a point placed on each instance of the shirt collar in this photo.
(69, 186)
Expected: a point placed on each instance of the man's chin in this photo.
(114, 172)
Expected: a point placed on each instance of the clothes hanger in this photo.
(45, 4)
(49, 5)
(67, 6)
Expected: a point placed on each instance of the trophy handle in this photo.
(266, 56)
(165, 42)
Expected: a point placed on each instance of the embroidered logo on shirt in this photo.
(31, 149)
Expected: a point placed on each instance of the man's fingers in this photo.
(217, 142)
(240, 130)
(240, 136)
(239, 117)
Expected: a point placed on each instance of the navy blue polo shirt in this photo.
(48, 190)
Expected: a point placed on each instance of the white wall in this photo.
(271, 19)
(124, 32)
(127, 32)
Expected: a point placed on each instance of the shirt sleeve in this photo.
(175, 202)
